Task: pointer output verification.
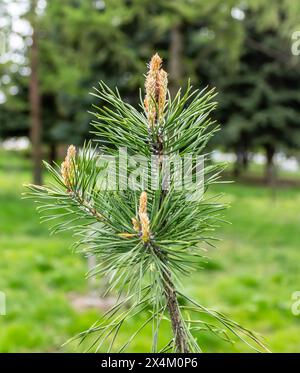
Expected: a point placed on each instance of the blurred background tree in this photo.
(260, 102)
(242, 48)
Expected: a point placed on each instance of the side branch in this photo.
(88, 207)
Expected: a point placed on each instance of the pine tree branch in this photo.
(131, 242)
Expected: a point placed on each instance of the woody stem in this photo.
(178, 327)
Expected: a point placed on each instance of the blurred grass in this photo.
(250, 276)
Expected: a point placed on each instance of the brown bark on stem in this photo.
(178, 328)
(175, 316)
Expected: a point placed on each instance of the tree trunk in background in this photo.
(175, 59)
(238, 163)
(245, 160)
(242, 161)
(35, 109)
(270, 169)
(52, 157)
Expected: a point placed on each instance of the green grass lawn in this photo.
(250, 276)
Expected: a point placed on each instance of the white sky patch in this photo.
(3, 43)
(100, 4)
(237, 13)
(17, 8)
(17, 58)
(5, 79)
(4, 58)
(19, 37)
(13, 90)
(3, 22)
(22, 27)
(16, 42)
(28, 41)
(2, 98)
(14, 68)
(25, 71)
(41, 5)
